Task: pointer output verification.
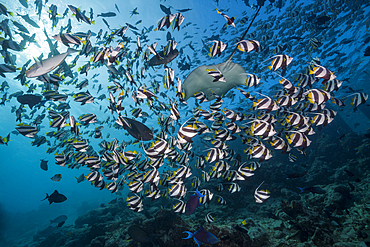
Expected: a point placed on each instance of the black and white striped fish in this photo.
(179, 207)
(209, 218)
(248, 45)
(265, 103)
(216, 74)
(135, 186)
(252, 80)
(28, 130)
(201, 97)
(178, 190)
(280, 61)
(359, 98)
(261, 195)
(216, 48)
(317, 96)
(298, 139)
(323, 73)
(169, 77)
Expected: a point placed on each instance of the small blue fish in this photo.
(202, 236)
(193, 203)
(314, 190)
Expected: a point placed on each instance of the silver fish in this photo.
(47, 65)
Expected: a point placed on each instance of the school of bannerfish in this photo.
(283, 121)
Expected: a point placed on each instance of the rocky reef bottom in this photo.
(303, 222)
(338, 217)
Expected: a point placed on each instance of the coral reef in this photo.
(339, 217)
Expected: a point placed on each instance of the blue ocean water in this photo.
(292, 28)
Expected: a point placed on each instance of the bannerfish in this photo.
(166, 58)
(193, 202)
(202, 236)
(27, 130)
(47, 65)
(44, 165)
(29, 99)
(56, 197)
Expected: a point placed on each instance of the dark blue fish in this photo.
(20, 27)
(262, 2)
(367, 40)
(56, 197)
(135, 128)
(202, 236)
(117, 8)
(134, 12)
(193, 203)
(61, 224)
(138, 234)
(131, 26)
(352, 175)
(44, 165)
(24, 3)
(314, 190)
(322, 19)
(29, 99)
(183, 10)
(106, 23)
(342, 136)
(166, 58)
(280, 4)
(59, 219)
(167, 11)
(27, 19)
(296, 174)
(168, 36)
(367, 51)
(108, 14)
(247, 3)
(184, 66)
